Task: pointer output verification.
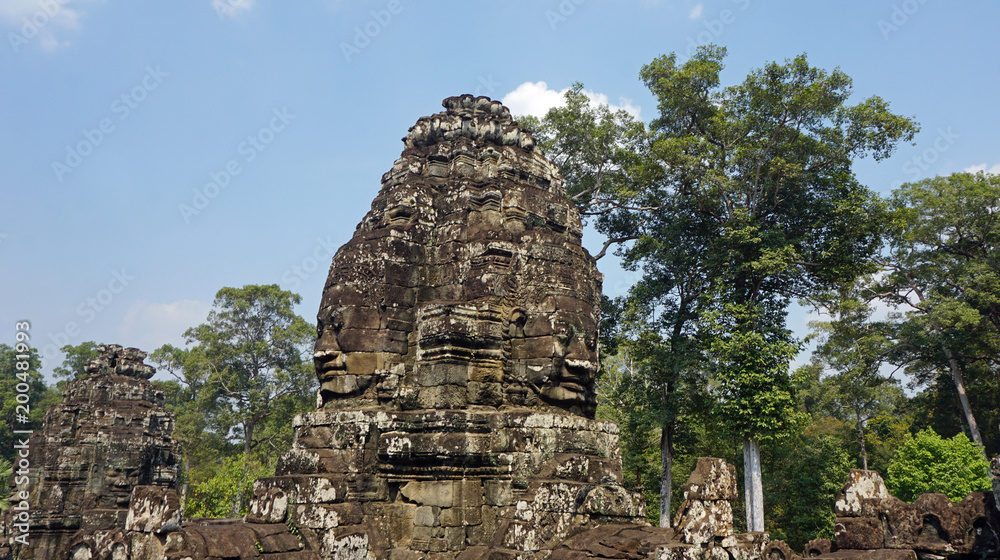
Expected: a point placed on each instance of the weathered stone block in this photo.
(861, 486)
(712, 479)
(430, 493)
(858, 533)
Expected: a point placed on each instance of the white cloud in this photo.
(995, 170)
(41, 20)
(696, 11)
(535, 98)
(148, 326)
(231, 8)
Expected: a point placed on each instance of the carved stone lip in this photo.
(329, 361)
(575, 387)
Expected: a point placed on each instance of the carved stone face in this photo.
(555, 355)
(466, 284)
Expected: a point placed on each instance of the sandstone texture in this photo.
(456, 354)
(871, 524)
(108, 435)
(466, 284)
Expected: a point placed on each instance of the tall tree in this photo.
(856, 347)
(741, 196)
(19, 412)
(247, 359)
(943, 274)
(761, 174)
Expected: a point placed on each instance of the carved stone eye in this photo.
(566, 335)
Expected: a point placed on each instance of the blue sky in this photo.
(154, 152)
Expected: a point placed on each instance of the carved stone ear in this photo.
(518, 318)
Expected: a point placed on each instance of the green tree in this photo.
(763, 169)
(742, 196)
(252, 354)
(19, 412)
(856, 347)
(75, 360)
(943, 274)
(228, 492)
(597, 151)
(929, 463)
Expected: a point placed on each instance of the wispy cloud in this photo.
(148, 326)
(41, 20)
(995, 170)
(231, 8)
(695, 12)
(535, 98)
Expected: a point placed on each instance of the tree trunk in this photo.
(184, 487)
(861, 439)
(753, 488)
(666, 476)
(995, 475)
(956, 374)
(963, 397)
(247, 437)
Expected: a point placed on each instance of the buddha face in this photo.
(555, 355)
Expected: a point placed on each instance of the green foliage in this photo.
(229, 490)
(596, 149)
(245, 375)
(75, 359)
(38, 395)
(855, 347)
(6, 471)
(247, 372)
(750, 357)
(802, 477)
(943, 276)
(929, 463)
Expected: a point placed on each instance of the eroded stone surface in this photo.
(456, 351)
(873, 524)
(466, 284)
(109, 434)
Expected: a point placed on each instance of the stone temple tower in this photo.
(457, 353)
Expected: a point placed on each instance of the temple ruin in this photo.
(457, 355)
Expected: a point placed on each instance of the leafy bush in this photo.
(929, 463)
(228, 492)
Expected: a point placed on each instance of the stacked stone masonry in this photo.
(457, 355)
(109, 434)
(873, 524)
